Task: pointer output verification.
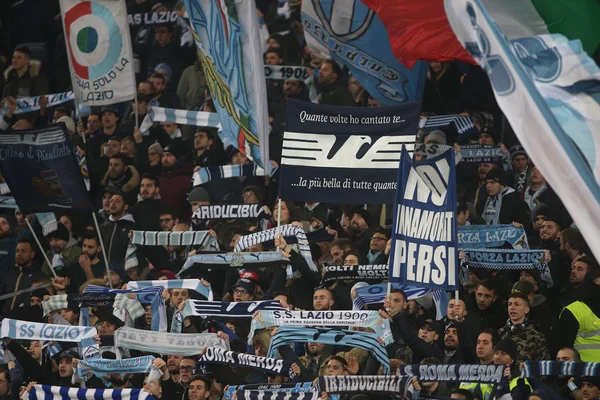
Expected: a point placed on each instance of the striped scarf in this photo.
(207, 174)
(149, 295)
(102, 367)
(280, 388)
(120, 301)
(177, 344)
(364, 384)
(340, 319)
(190, 284)
(45, 392)
(532, 369)
(223, 309)
(368, 341)
(160, 238)
(235, 260)
(265, 395)
(184, 117)
(493, 207)
(269, 365)
(286, 230)
(464, 126)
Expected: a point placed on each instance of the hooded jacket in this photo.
(28, 85)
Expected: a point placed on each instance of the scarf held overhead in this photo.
(476, 236)
(363, 319)
(190, 284)
(230, 211)
(280, 388)
(288, 334)
(272, 366)
(45, 392)
(286, 230)
(179, 344)
(363, 384)
(355, 273)
(132, 306)
(454, 372)
(207, 174)
(102, 367)
(532, 369)
(235, 260)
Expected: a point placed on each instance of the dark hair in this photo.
(276, 51)
(339, 359)
(254, 189)
(342, 243)
(207, 381)
(574, 237)
(158, 75)
(195, 358)
(91, 235)
(23, 50)
(4, 370)
(336, 68)
(399, 291)
(292, 210)
(29, 242)
(287, 296)
(354, 252)
(120, 156)
(493, 334)
(170, 210)
(430, 360)
(488, 283)
(576, 355)
(463, 392)
(64, 110)
(592, 265)
(168, 26)
(517, 295)
(383, 231)
(461, 207)
(151, 177)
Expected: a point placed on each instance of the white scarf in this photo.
(493, 206)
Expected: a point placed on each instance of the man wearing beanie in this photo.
(175, 179)
(361, 232)
(520, 166)
(503, 205)
(505, 353)
(60, 253)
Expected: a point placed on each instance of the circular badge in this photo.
(94, 39)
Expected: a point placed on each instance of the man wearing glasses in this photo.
(376, 254)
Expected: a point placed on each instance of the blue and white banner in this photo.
(190, 284)
(228, 38)
(41, 170)
(45, 392)
(283, 72)
(463, 126)
(503, 258)
(424, 237)
(102, 367)
(184, 117)
(555, 84)
(279, 388)
(352, 34)
(28, 104)
(99, 50)
(343, 154)
(532, 369)
(363, 293)
(480, 236)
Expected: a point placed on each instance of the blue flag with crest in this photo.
(351, 33)
(424, 239)
(41, 170)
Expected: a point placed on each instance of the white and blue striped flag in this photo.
(45, 392)
(549, 89)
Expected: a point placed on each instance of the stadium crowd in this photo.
(144, 182)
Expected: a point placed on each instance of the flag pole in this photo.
(278, 219)
(102, 246)
(41, 248)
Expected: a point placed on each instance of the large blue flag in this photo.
(424, 240)
(549, 89)
(226, 33)
(41, 169)
(351, 33)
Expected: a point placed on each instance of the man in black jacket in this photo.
(503, 205)
(115, 232)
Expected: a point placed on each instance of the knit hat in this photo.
(166, 69)
(198, 194)
(540, 209)
(493, 132)
(168, 274)
(508, 346)
(60, 232)
(155, 148)
(174, 149)
(143, 98)
(517, 150)
(436, 136)
(68, 121)
(40, 293)
(70, 354)
(495, 174)
(426, 301)
(118, 268)
(594, 380)
(11, 220)
(523, 287)
(364, 215)
(535, 274)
